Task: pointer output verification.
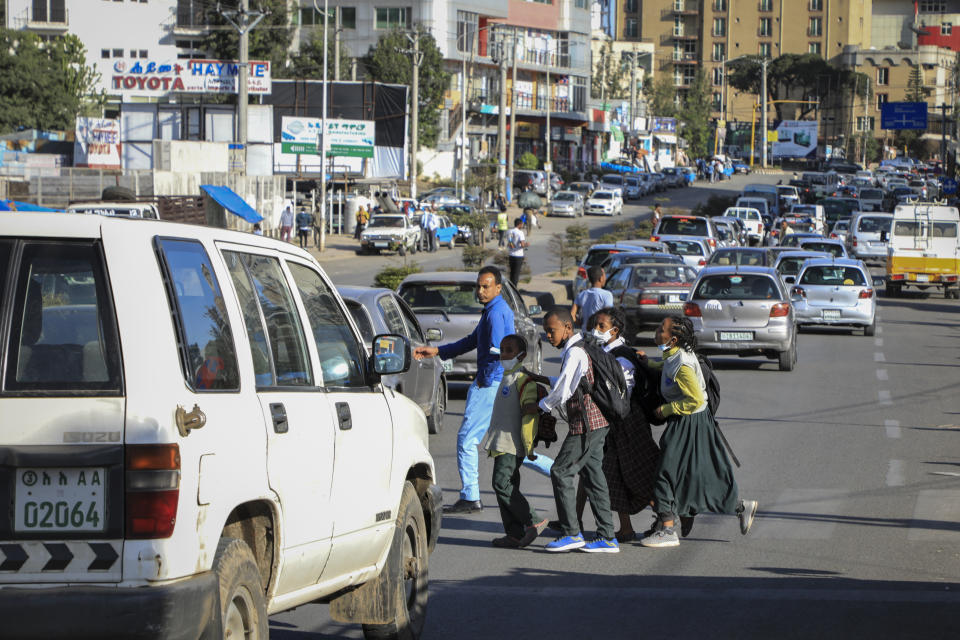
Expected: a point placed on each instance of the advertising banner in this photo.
(97, 143)
(300, 135)
(345, 138)
(795, 139)
(158, 78)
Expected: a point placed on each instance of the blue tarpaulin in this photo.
(233, 203)
(10, 205)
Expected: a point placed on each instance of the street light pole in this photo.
(243, 20)
(512, 151)
(502, 120)
(548, 163)
(763, 90)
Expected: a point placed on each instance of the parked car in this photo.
(440, 197)
(567, 204)
(645, 245)
(583, 188)
(739, 166)
(868, 236)
(447, 232)
(604, 202)
(650, 292)
(687, 226)
(379, 311)
(833, 247)
(228, 461)
(632, 188)
(446, 301)
(524, 179)
(835, 292)
(760, 204)
(694, 250)
(728, 232)
(794, 239)
(871, 199)
(743, 311)
(674, 177)
(648, 182)
(389, 232)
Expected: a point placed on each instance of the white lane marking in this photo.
(879, 357)
(935, 516)
(893, 428)
(879, 329)
(895, 473)
(884, 398)
(952, 474)
(882, 374)
(800, 514)
(878, 342)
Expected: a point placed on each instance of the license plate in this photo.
(447, 365)
(673, 298)
(831, 314)
(381, 245)
(60, 499)
(922, 277)
(736, 335)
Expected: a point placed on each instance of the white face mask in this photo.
(509, 364)
(603, 336)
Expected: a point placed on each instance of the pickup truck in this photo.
(389, 233)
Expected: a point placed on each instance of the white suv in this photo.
(192, 437)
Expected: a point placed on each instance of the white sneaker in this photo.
(746, 512)
(661, 538)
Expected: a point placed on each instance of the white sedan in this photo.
(605, 202)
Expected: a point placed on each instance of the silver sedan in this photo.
(835, 292)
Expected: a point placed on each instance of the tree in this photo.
(45, 85)
(695, 116)
(610, 77)
(916, 92)
(270, 40)
(309, 62)
(527, 161)
(387, 62)
(663, 97)
(791, 76)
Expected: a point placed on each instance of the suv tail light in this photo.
(712, 242)
(654, 238)
(702, 262)
(798, 292)
(780, 310)
(865, 294)
(692, 310)
(854, 240)
(646, 298)
(152, 490)
(582, 273)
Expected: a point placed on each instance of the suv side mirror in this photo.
(433, 334)
(391, 354)
(790, 279)
(534, 309)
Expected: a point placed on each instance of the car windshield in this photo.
(834, 276)
(874, 225)
(790, 266)
(804, 209)
(386, 221)
(603, 195)
(564, 197)
(683, 227)
(647, 276)
(612, 179)
(441, 297)
(685, 247)
(632, 182)
(834, 249)
(737, 287)
(597, 256)
(744, 258)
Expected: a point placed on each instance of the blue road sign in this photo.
(903, 115)
(949, 186)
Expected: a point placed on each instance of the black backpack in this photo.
(713, 385)
(652, 399)
(609, 388)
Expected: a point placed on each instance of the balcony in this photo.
(56, 19)
(191, 19)
(674, 11)
(685, 57)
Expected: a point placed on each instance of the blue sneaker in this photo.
(566, 543)
(601, 545)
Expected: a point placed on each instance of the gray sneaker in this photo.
(746, 512)
(663, 537)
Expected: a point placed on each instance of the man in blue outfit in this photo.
(496, 321)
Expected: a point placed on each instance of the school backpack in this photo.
(547, 423)
(713, 385)
(609, 388)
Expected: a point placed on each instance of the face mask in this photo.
(510, 364)
(664, 347)
(603, 336)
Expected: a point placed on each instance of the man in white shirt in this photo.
(516, 243)
(428, 226)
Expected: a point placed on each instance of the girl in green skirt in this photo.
(694, 474)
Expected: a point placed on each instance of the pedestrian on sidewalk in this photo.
(582, 450)
(513, 428)
(304, 226)
(657, 214)
(516, 244)
(496, 322)
(428, 230)
(363, 217)
(591, 300)
(694, 474)
(286, 223)
(503, 226)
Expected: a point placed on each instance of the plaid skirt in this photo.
(630, 461)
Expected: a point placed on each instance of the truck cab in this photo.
(924, 248)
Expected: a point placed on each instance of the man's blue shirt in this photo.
(496, 321)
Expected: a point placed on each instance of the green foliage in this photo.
(309, 62)
(855, 143)
(663, 97)
(270, 40)
(695, 116)
(45, 85)
(714, 206)
(916, 92)
(910, 140)
(386, 64)
(474, 257)
(578, 239)
(792, 75)
(390, 277)
(527, 161)
(609, 238)
(611, 78)
(476, 221)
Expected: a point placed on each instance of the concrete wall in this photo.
(440, 163)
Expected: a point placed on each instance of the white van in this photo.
(924, 248)
(144, 210)
(868, 235)
(193, 437)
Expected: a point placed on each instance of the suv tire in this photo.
(435, 419)
(788, 358)
(243, 607)
(871, 329)
(408, 560)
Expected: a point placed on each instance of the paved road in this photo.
(854, 459)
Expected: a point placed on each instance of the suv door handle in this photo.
(343, 416)
(279, 415)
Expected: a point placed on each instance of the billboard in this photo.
(795, 139)
(903, 115)
(139, 77)
(300, 135)
(345, 138)
(97, 143)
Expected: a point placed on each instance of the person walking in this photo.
(503, 226)
(516, 245)
(694, 474)
(655, 217)
(286, 223)
(428, 229)
(304, 226)
(582, 449)
(513, 428)
(591, 300)
(496, 322)
(363, 217)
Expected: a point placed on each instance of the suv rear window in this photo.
(685, 248)
(737, 287)
(834, 276)
(874, 225)
(832, 248)
(63, 336)
(683, 227)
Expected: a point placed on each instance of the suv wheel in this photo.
(243, 607)
(788, 358)
(871, 329)
(402, 250)
(435, 421)
(408, 560)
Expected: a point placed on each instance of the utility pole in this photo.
(763, 91)
(336, 44)
(867, 131)
(548, 163)
(502, 120)
(417, 59)
(633, 89)
(323, 131)
(944, 107)
(243, 20)
(512, 152)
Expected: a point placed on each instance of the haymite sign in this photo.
(154, 78)
(97, 143)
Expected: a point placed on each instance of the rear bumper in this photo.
(849, 316)
(186, 609)
(765, 342)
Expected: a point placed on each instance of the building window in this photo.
(720, 26)
(865, 123)
(683, 75)
(678, 26)
(143, 52)
(766, 5)
(720, 5)
(815, 28)
(118, 53)
(392, 18)
(932, 6)
(348, 17)
(49, 11)
(814, 48)
(718, 76)
(717, 101)
(632, 31)
(631, 6)
(946, 29)
(580, 4)
(719, 51)
(816, 5)
(882, 99)
(766, 27)
(467, 25)
(764, 50)
(678, 5)
(883, 76)
(190, 13)
(104, 53)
